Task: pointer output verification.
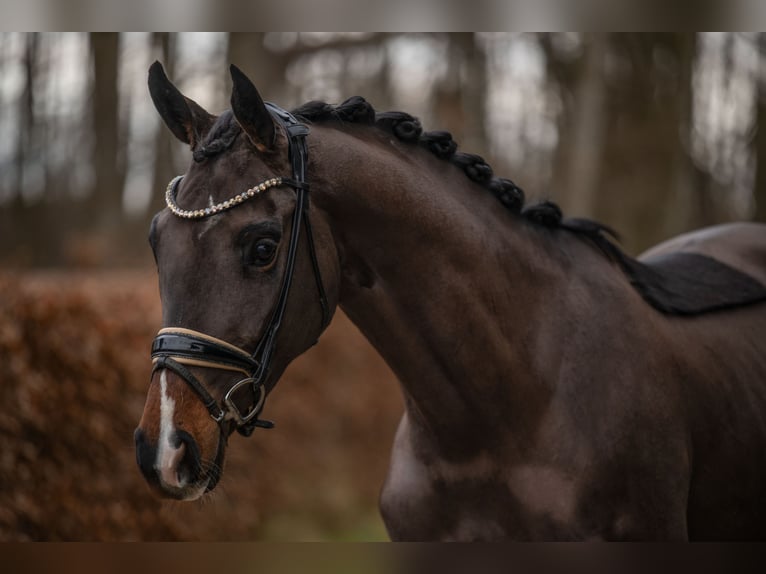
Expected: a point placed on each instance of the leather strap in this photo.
(191, 346)
(164, 362)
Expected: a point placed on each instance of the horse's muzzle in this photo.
(173, 470)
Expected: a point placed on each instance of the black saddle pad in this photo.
(691, 284)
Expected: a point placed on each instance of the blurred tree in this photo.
(582, 127)
(41, 207)
(106, 196)
(624, 132)
(608, 125)
(248, 52)
(26, 133)
(268, 67)
(164, 43)
(760, 133)
(459, 98)
(27, 210)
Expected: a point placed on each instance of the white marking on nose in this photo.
(168, 456)
(210, 222)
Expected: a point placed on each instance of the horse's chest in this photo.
(476, 500)
(417, 505)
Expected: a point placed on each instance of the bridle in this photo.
(178, 348)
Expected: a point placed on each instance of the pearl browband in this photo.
(170, 199)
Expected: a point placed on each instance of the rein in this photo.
(176, 348)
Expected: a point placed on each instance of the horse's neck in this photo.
(455, 293)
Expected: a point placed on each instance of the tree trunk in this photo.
(22, 242)
(163, 156)
(759, 191)
(582, 131)
(460, 98)
(623, 153)
(107, 164)
(688, 205)
(247, 51)
(645, 157)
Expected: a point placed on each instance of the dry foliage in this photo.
(74, 370)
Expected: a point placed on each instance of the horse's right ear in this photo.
(188, 121)
(250, 111)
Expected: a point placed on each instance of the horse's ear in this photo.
(188, 121)
(251, 112)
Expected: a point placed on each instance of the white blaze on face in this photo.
(168, 455)
(210, 222)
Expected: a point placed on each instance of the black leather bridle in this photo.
(177, 348)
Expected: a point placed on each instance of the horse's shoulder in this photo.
(713, 268)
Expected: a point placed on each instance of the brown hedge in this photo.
(74, 370)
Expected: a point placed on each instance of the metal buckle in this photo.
(219, 417)
(238, 416)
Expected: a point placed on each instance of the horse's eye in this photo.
(261, 252)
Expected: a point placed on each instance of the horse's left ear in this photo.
(188, 121)
(251, 112)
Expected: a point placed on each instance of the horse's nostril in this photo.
(145, 457)
(190, 466)
(172, 469)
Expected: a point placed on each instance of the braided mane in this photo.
(407, 128)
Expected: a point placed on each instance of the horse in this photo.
(555, 388)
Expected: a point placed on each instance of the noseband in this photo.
(178, 348)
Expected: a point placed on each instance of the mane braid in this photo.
(407, 128)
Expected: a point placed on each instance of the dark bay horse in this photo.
(555, 388)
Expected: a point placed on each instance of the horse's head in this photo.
(246, 282)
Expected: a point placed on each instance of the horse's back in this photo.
(739, 245)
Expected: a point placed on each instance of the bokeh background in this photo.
(652, 134)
